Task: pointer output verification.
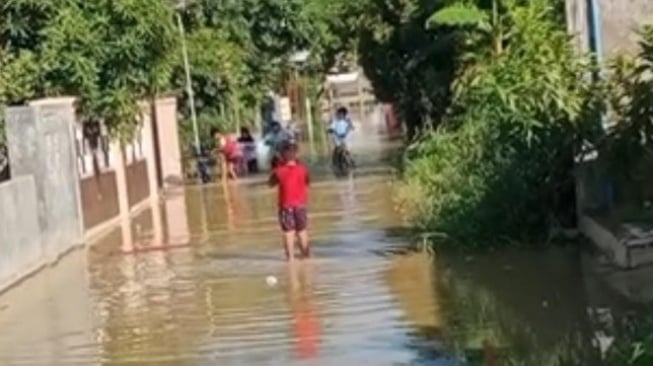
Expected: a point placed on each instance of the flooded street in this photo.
(185, 284)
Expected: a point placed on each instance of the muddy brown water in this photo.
(184, 284)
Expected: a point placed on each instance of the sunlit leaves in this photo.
(459, 14)
(212, 54)
(18, 76)
(69, 57)
(18, 81)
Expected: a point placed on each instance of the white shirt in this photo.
(341, 127)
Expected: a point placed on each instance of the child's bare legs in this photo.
(289, 239)
(232, 169)
(289, 245)
(224, 166)
(303, 243)
(293, 223)
(301, 227)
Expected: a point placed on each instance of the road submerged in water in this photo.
(184, 283)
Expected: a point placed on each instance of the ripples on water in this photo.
(364, 299)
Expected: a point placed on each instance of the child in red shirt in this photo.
(292, 179)
(230, 152)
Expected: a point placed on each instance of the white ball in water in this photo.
(271, 281)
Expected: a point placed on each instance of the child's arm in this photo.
(273, 180)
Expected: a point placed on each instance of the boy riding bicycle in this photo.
(339, 130)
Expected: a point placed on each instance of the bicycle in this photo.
(342, 161)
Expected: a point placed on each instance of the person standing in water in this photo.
(230, 155)
(292, 180)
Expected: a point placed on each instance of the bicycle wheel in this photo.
(349, 161)
(342, 163)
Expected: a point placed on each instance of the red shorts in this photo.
(233, 159)
(293, 219)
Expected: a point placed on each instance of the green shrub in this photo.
(503, 161)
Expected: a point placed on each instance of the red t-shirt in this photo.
(292, 178)
(230, 148)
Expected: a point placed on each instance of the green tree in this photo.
(408, 64)
(110, 54)
(484, 25)
(18, 78)
(238, 50)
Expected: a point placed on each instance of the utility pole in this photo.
(309, 123)
(201, 168)
(189, 85)
(180, 6)
(237, 116)
(361, 102)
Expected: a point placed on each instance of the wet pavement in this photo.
(185, 284)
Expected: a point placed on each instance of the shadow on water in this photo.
(184, 283)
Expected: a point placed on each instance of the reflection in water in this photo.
(413, 279)
(348, 200)
(306, 322)
(229, 193)
(127, 235)
(197, 295)
(176, 218)
(233, 204)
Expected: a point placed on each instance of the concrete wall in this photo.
(167, 135)
(99, 199)
(128, 171)
(620, 20)
(21, 249)
(137, 182)
(40, 142)
(58, 198)
(578, 24)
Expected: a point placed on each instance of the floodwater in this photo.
(185, 284)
